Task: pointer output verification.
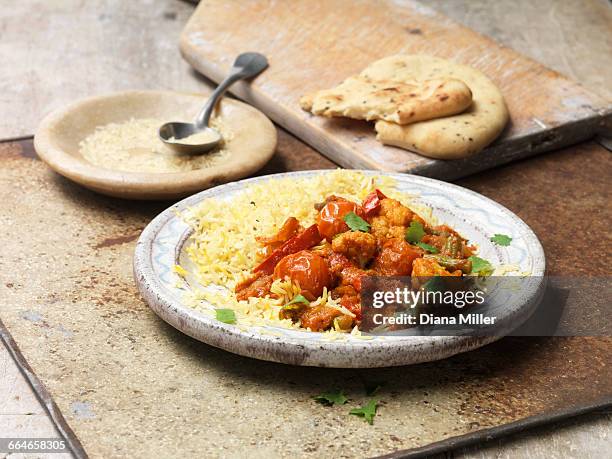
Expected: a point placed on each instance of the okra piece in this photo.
(453, 247)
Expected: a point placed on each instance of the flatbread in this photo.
(404, 102)
(452, 137)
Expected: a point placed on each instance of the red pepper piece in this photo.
(353, 304)
(305, 240)
(371, 204)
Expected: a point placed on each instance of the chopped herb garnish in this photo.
(415, 232)
(427, 247)
(372, 387)
(298, 299)
(501, 239)
(367, 411)
(332, 397)
(480, 266)
(227, 316)
(356, 223)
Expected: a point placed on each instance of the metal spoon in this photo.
(246, 65)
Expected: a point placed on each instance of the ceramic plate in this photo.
(477, 218)
(59, 134)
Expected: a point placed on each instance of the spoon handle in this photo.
(246, 65)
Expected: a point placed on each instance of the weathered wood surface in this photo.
(21, 414)
(586, 437)
(53, 52)
(316, 44)
(572, 37)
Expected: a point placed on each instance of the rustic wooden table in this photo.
(552, 193)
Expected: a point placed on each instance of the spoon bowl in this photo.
(187, 138)
(197, 137)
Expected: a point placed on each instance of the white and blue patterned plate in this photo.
(477, 218)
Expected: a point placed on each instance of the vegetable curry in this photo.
(378, 237)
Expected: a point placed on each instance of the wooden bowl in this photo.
(58, 137)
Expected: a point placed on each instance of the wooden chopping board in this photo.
(315, 44)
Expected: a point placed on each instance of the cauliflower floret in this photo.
(355, 245)
(392, 220)
(382, 230)
(395, 213)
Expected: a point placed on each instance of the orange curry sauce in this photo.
(391, 240)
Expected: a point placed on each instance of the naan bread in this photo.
(452, 137)
(403, 102)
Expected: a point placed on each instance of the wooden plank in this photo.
(586, 437)
(17, 395)
(52, 53)
(316, 44)
(21, 414)
(27, 426)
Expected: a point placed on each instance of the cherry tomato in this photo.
(330, 220)
(307, 269)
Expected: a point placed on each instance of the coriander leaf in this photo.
(298, 299)
(429, 248)
(356, 223)
(332, 397)
(480, 266)
(501, 239)
(372, 387)
(415, 232)
(367, 411)
(227, 316)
